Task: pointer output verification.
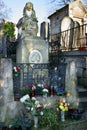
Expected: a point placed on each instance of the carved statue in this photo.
(28, 11)
(29, 21)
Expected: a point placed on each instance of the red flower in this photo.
(18, 68)
(46, 86)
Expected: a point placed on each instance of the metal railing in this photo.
(72, 39)
(30, 74)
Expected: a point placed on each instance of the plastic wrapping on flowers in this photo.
(32, 105)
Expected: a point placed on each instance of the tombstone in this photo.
(8, 107)
(71, 82)
(31, 48)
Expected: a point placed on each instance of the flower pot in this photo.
(62, 115)
(36, 121)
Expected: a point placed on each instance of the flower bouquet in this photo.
(62, 106)
(16, 71)
(32, 105)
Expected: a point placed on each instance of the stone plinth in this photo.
(32, 50)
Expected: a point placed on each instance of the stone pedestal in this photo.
(32, 50)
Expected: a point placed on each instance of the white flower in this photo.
(28, 108)
(15, 69)
(39, 85)
(33, 99)
(34, 87)
(41, 113)
(32, 109)
(45, 90)
(36, 102)
(10, 126)
(22, 100)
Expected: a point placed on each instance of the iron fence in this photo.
(37, 74)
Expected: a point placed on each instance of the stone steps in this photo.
(83, 99)
(82, 89)
(82, 81)
(82, 93)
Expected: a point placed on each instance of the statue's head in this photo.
(29, 6)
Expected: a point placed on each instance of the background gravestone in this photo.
(8, 107)
(71, 82)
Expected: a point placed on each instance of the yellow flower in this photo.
(66, 108)
(61, 107)
(61, 103)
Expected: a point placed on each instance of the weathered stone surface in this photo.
(8, 107)
(30, 47)
(27, 45)
(28, 23)
(6, 84)
(11, 110)
(71, 83)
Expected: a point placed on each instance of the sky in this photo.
(42, 8)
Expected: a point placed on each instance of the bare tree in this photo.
(62, 2)
(4, 11)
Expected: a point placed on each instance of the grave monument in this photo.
(31, 48)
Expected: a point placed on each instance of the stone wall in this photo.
(6, 83)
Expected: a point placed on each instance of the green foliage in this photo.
(9, 29)
(49, 120)
(25, 90)
(20, 122)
